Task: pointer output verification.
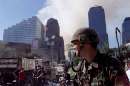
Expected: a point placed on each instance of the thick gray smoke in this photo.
(73, 14)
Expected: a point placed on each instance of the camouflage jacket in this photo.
(101, 72)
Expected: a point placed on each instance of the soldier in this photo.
(99, 69)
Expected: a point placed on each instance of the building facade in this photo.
(45, 41)
(53, 42)
(25, 31)
(126, 31)
(97, 21)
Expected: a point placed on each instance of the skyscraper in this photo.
(53, 42)
(25, 31)
(52, 28)
(97, 21)
(126, 30)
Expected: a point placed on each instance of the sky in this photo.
(71, 14)
(14, 11)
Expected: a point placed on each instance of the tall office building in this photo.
(53, 41)
(126, 30)
(53, 28)
(25, 31)
(97, 21)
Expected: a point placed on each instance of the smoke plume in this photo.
(73, 14)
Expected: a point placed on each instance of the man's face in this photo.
(76, 45)
(82, 50)
(78, 48)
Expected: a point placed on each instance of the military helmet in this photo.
(85, 35)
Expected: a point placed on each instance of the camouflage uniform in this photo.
(101, 72)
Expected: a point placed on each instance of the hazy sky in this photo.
(71, 14)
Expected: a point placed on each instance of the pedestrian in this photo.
(38, 76)
(21, 77)
(98, 69)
